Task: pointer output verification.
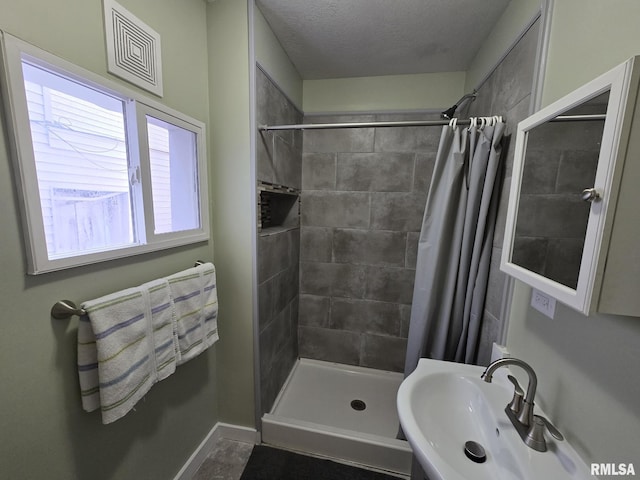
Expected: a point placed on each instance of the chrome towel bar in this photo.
(64, 309)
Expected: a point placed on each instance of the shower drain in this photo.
(358, 405)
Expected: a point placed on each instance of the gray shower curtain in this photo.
(454, 248)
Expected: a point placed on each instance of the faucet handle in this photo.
(516, 402)
(555, 433)
(535, 435)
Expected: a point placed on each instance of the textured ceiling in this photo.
(354, 38)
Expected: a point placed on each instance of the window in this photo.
(104, 172)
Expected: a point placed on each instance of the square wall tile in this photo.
(335, 209)
(332, 279)
(397, 211)
(315, 310)
(387, 284)
(365, 316)
(339, 140)
(265, 163)
(319, 171)
(376, 172)
(316, 244)
(411, 256)
(329, 345)
(425, 163)
(346, 140)
(515, 73)
(288, 164)
(407, 139)
(383, 352)
(277, 252)
(369, 247)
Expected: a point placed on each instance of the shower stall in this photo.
(340, 212)
(340, 215)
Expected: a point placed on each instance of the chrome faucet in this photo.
(519, 410)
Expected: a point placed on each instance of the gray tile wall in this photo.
(364, 192)
(350, 195)
(507, 92)
(279, 161)
(277, 153)
(363, 197)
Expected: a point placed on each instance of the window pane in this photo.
(80, 153)
(174, 175)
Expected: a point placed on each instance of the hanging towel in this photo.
(126, 343)
(196, 304)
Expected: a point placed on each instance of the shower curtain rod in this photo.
(324, 126)
(422, 123)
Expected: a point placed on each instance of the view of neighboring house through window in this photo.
(78, 137)
(104, 172)
(172, 155)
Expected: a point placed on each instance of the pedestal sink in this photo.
(443, 405)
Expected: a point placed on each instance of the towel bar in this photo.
(64, 309)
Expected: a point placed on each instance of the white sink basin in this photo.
(442, 405)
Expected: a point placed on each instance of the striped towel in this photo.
(126, 343)
(196, 304)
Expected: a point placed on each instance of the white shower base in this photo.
(313, 413)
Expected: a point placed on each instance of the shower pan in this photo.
(340, 411)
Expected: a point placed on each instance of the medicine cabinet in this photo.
(573, 221)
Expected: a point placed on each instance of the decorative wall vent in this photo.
(133, 48)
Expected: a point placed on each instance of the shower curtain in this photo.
(454, 248)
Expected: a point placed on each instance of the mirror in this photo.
(560, 161)
(573, 225)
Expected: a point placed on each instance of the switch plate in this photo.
(543, 303)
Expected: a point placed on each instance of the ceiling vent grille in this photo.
(133, 48)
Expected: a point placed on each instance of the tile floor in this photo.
(225, 462)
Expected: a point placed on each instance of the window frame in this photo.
(136, 106)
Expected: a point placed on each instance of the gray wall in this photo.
(279, 160)
(364, 192)
(506, 92)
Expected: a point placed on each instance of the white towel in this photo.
(126, 343)
(196, 304)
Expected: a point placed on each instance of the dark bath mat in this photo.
(267, 463)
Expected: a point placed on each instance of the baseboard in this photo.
(238, 433)
(220, 430)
